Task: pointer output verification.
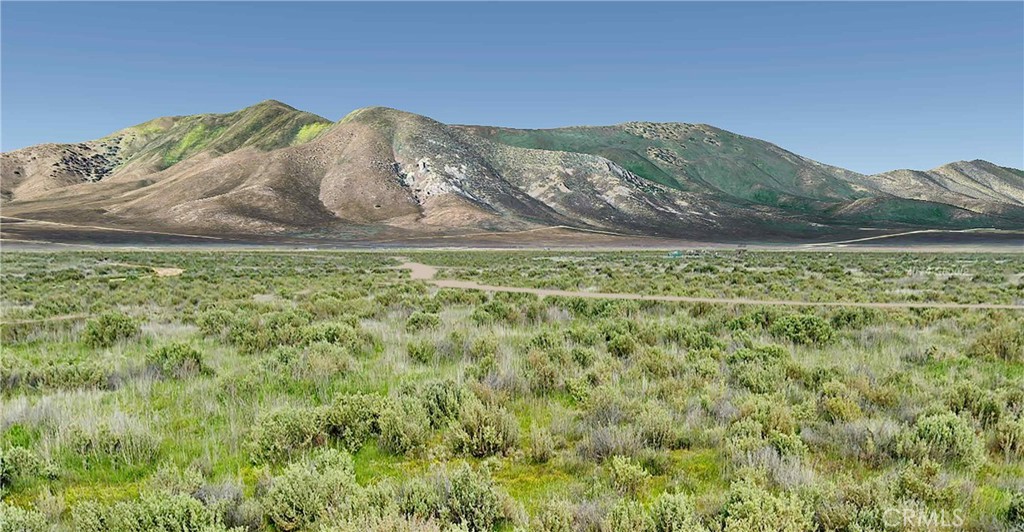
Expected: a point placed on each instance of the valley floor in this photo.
(22, 233)
(705, 388)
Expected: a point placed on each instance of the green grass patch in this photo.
(309, 132)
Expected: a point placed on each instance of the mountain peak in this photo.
(378, 111)
(271, 104)
(271, 167)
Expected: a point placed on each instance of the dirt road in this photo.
(425, 272)
(841, 243)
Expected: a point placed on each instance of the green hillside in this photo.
(266, 126)
(694, 157)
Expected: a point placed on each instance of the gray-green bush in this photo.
(109, 328)
(483, 430)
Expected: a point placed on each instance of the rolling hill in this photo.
(270, 169)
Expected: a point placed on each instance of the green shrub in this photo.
(17, 463)
(675, 513)
(346, 335)
(351, 419)
(627, 476)
(923, 482)
(462, 497)
(758, 369)
(419, 321)
(1009, 438)
(750, 507)
(943, 437)
(1002, 342)
(482, 368)
(854, 318)
(695, 339)
(586, 308)
(628, 515)
(472, 500)
(584, 334)
(455, 346)
(546, 339)
(152, 512)
(656, 427)
(1015, 510)
(484, 430)
(277, 435)
(583, 356)
(443, 401)
(422, 351)
(969, 397)
(176, 481)
(60, 374)
(543, 374)
(308, 491)
(404, 425)
(806, 329)
(622, 345)
(554, 516)
(542, 445)
(839, 403)
(763, 423)
(483, 347)
(419, 497)
(214, 322)
(108, 329)
(16, 519)
(496, 311)
(705, 364)
(760, 318)
(578, 388)
(319, 361)
(850, 505)
(840, 409)
(453, 296)
(177, 360)
(255, 333)
(657, 363)
(323, 305)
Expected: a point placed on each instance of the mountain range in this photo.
(270, 169)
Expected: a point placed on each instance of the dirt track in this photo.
(425, 272)
(159, 271)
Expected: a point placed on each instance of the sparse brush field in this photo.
(328, 391)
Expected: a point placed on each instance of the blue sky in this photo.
(866, 86)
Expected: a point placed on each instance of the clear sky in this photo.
(865, 86)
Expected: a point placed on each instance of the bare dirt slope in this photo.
(977, 185)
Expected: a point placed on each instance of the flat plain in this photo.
(190, 389)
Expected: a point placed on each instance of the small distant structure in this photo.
(675, 254)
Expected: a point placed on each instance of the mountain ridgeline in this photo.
(272, 169)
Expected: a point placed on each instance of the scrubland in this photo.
(328, 391)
